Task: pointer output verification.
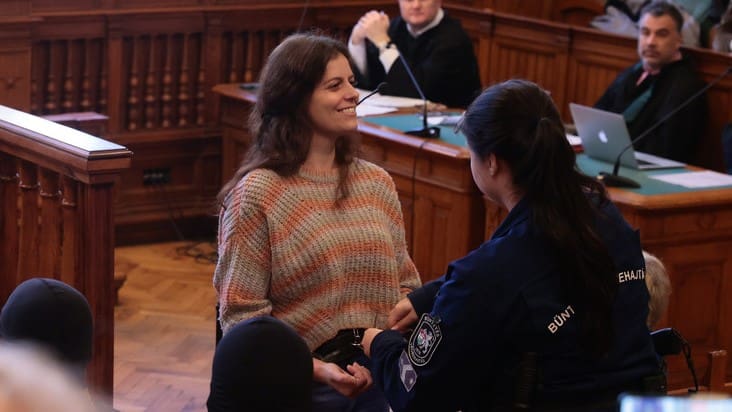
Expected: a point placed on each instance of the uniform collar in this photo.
(518, 214)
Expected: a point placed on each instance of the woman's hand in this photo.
(402, 316)
(351, 383)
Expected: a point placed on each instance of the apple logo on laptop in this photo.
(602, 136)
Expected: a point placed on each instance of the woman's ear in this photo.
(491, 162)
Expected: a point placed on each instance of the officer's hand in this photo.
(348, 384)
(402, 316)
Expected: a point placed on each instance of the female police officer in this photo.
(556, 297)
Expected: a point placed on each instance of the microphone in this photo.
(381, 88)
(302, 15)
(615, 180)
(425, 131)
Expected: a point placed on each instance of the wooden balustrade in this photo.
(57, 219)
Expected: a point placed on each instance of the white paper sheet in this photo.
(706, 178)
(444, 120)
(368, 110)
(388, 101)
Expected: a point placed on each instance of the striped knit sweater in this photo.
(285, 249)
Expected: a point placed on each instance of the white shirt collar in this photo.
(438, 18)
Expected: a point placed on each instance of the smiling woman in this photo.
(333, 105)
(308, 233)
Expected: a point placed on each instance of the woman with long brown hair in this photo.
(308, 232)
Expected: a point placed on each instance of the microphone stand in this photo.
(426, 131)
(379, 89)
(614, 179)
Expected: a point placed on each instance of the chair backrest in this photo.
(668, 341)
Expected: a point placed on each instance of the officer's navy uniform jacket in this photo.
(501, 301)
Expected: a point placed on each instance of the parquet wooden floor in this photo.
(164, 331)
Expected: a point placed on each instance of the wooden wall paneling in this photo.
(479, 26)
(159, 67)
(577, 12)
(15, 8)
(69, 57)
(702, 310)
(595, 60)
(710, 154)
(213, 63)
(536, 9)
(531, 49)
(690, 240)
(15, 61)
(29, 213)
(437, 192)
(50, 222)
(439, 235)
(9, 228)
(237, 52)
(55, 6)
(719, 99)
(339, 21)
(159, 5)
(70, 242)
(235, 141)
(715, 379)
(468, 3)
(97, 240)
(192, 165)
(241, 50)
(116, 74)
(161, 63)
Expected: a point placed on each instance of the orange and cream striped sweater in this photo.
(285, 249)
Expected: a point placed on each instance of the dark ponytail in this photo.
(519, 123)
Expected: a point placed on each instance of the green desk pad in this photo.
(588, 165)
(406, 122)
(649, 186)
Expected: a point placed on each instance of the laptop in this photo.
(604, 135)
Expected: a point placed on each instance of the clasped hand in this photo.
(353, 381)
(373, 26)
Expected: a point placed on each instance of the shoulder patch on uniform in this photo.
(406, 372)
(424, 340)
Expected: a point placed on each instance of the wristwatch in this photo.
(384, 46)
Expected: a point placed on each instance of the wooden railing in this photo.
(57, 218)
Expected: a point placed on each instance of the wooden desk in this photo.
(443, 209)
